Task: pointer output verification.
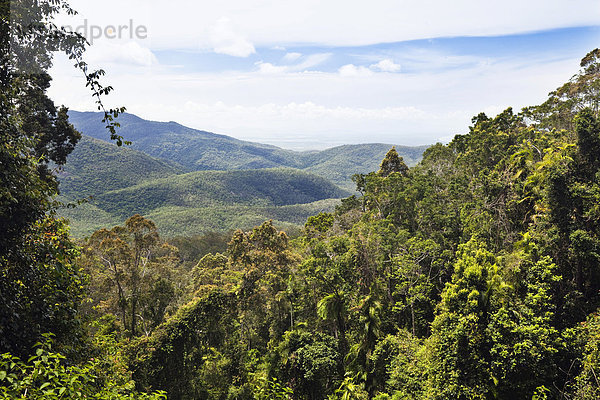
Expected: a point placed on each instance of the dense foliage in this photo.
(46, 376)
(96, 167)
(39, 286)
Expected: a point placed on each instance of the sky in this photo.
(315, 74)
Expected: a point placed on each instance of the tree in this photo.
(397, 368)
(330, 279)
(587, 385)
(415, 271)
(317, 225)
(369, 332)
(192, 345)
(349, 390)
(588, 141)
(41, 288)
(460, 344)
(392, 162)
(213, 271)
(133, 273)
(333, 308)
(526, 348)
(265, 259)
(34, 134)
(570, 221)
(580, 92)
(309, 361)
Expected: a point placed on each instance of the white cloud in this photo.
(268, 68)
(299, 120)
(386, 65)
(225, 40)
(126, 54)
(351, 70)
(310, 61)
(305, 110)
(290, 57)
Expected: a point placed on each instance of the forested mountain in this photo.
(156, 181)
(193, 149)
(266, 187)
(120, 181)
(340, 163)
(196, 150)
(96, 166)
(123, 182)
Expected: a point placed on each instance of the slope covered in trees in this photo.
(97, 167)
(196, 202)
(196, 150)
(119, 181)
(278, 187)
(340, 163)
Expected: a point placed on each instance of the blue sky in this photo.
(460, 52)
(308, 75)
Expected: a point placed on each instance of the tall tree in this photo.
(392, 162)
(266, 260)
(132, 273)
(33, 283)
(460, 358)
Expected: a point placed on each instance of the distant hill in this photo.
(196, 150)
(193, 149)
(123, 182)
(97, 167)
(263, 187)
(338, 164)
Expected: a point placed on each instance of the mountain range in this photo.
(191, 181)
